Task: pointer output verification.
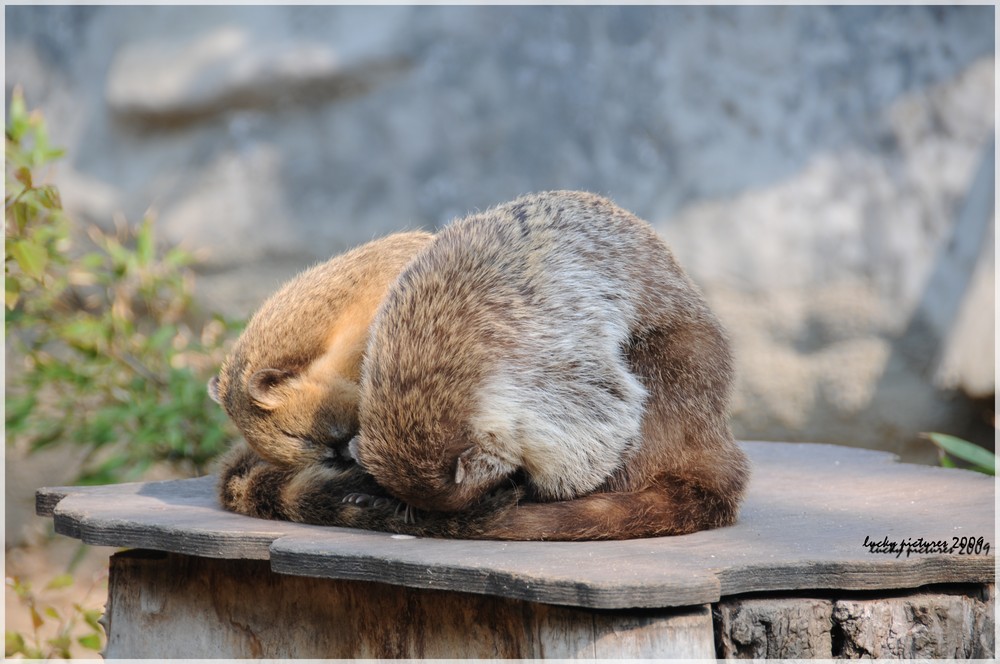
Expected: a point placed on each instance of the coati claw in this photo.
(409, 514)
(359, 499)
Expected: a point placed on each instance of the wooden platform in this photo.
(801, 538)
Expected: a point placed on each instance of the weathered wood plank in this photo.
(179, 515)
(169, 605)
(47, 498)
(593, 574)
(808, 511)
(807, 514)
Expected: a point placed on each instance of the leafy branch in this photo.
(78, 626)
(113, 355)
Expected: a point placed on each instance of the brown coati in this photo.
(541, 370)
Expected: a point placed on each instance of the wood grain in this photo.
(170, 605)
(922, 625)
(947, 622)
(807, 513)
(775, 628)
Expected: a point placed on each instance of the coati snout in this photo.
(294, 419)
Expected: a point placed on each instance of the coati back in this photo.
(290, 382)
(542, 370)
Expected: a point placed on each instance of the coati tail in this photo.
(669, 507)
(311, 494)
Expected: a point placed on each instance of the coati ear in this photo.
(481, 466)
(263, 387)
(213, 389)
(462, 463)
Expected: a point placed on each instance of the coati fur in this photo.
(541, 370)
(290, 383)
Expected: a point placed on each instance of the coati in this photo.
(541, 370)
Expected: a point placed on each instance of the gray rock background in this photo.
(825, 174)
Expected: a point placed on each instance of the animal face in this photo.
(290, 383)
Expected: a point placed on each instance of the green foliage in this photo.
(979, 459)
(112, 355)
(53, 634)
(35, 227)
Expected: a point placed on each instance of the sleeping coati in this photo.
(541, 370)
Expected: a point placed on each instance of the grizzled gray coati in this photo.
(541, 370)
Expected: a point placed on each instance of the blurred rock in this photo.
(968, 359)
(172, 80)
(808, 164)
(840, 286)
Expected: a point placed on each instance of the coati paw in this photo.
(368, 500)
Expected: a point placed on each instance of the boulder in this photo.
(815, 168)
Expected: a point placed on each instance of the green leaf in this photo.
(61, 643)
(31, 257)
(983, 460)
(47, 154)
(17, 121)
(51, 612)
(34, 653)
(23, 175)
(21, 588)
(19, 408)
(945, 460)
(36, 618)
(13, 643)
(61, 581)
(91, 641)
(12, 291)
(162, 337)
(42, 153)
(20, 212)
(52, 433)
(49, 197)
(106, 472)
(178, 258)
(84, 333)
(92, 616)
(144, 243)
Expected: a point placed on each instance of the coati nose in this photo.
(341, 440)
(352, 448)
(340, 435)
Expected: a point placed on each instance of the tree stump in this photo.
(839, 552)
